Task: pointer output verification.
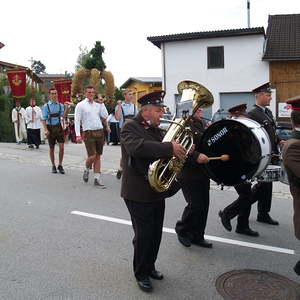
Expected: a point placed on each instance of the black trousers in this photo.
(33, 136)
(241, 207)
(114, 134)
(194, 216)
(147, 222)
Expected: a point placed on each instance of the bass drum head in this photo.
(237, 140)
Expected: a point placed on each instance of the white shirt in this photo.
(111, 119)
(88, 115)
(35, 113)
(14, 116)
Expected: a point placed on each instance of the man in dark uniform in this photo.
(262, 191)
(141, 145)
(195, 187)
(241, 207)
(291, 160)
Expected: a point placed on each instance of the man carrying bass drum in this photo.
(195, 185)
(241, 207)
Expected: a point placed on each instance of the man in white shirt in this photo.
(18, 118)
(124, 111)
(89, 113)
(33, 121)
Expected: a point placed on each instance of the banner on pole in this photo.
(17, 82)
(63, 88)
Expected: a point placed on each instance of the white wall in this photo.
(243, 70)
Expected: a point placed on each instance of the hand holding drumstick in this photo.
(224, 157)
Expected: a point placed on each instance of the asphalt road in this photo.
(49, 250)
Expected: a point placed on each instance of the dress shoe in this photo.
(98, 183)
(61, 169)
(30, 146)
(145, 285)
(156, 275)
(247, 231)
(85, 176)
(202, 243)
(297, 268)
(184, 240)
(225, 220)
(266, 219)
(119, 174)
(54, 171)
(37, 146)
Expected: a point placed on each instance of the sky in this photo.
(52, 31)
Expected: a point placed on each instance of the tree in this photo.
(91, 59)
(118, 94)
(82, 57)
(38, 67)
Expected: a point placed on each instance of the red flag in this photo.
(63, 88)
(17, 82)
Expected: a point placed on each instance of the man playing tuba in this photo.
(141, 143)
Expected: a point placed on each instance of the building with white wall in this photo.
(228, 63)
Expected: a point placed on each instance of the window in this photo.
(215, 57)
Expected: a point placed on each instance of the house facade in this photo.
(228, 63)
(282, 52)
(142, 85)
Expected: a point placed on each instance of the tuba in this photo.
(162, 172)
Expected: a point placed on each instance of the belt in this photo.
(87, 131)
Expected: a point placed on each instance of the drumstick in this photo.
(223, 157)
(275, 155)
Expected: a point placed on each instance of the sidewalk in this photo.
(75, 155)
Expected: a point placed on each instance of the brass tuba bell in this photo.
(163, 172)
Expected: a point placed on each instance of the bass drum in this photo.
(247, 144)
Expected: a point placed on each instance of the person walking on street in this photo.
(125, 110)
(18, 118)
(141, 144)
(91, 115)
(52, 115)
(33, 121)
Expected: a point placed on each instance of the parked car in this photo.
(284, 130)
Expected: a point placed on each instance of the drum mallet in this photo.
(224, 157)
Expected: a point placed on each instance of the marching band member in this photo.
(141, 145)
(241, 207)
(195, 187)
(291, 160)
(18, 118)
(262, 191)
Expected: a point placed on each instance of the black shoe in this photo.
(30, 146)
(61, 169)
(225, 221)
(184, 240)
(54, 170)
(266, 219)
(85, 176)
(156, 275)
(145, 285)
(119, 174)
(297, 268)
(202, 243)
(37, 147)
(247, 231)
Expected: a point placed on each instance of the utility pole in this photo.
(248, 12)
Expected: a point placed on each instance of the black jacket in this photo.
(141, 145)
(257, 114)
